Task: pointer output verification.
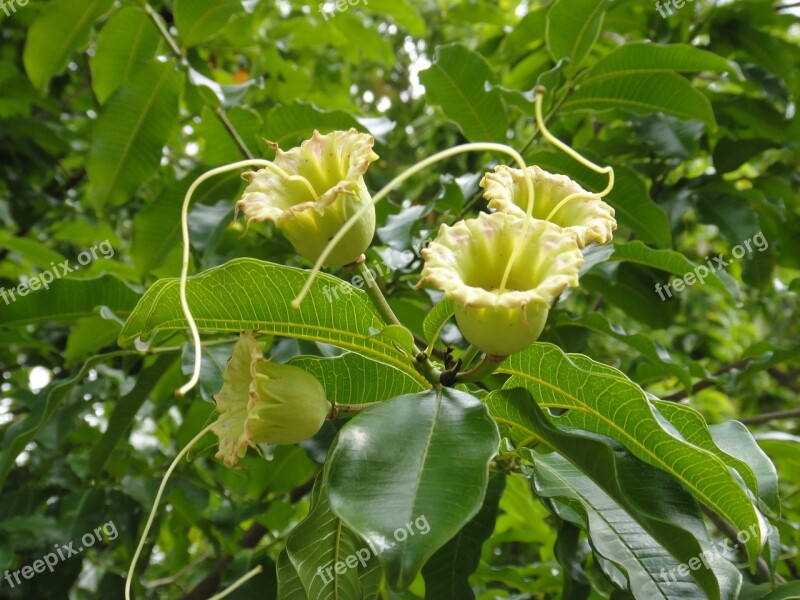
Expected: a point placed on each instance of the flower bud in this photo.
(310, 191)
(585, 215)
(263, 402)
(468, 260)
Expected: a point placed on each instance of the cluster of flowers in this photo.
(311, 191)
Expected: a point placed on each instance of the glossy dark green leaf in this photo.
(331, 561)
(407, 509)
(457, 82)
(446, 572)
(672, 518)
(613, 534)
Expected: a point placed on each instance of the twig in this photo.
(701, 385)
(771, 416)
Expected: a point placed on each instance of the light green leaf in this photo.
(380, 497)
(248, 294)
(641, 58)
(67, 300)
(403, 12)
(125, 44)
(130, 134)
(618, 408)
(437, 318)
(198, 20)
(669, 261)
(447, 571)
(643, 94)
(573, 27)
(456, 81)
(355, 379)
(288, 125)
(60, 29)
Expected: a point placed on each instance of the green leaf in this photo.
(127, 42)
(198, 20)
(403, 12)
(319, 543)
(613, 534)
(671, 517)
(288, 125)
(669, 261)
(436, 319)
(60, 29)
(290, 586)
(456, 82)
(447, 571)
(130, 133)
(573, 27)
(607, 404)
(642, 343)
(380, 497)
(643, 93)
(67, 300)
(355, 379)
(248, 294)
(125, 411)
(88, 336)
(629, 198)
(645, 58)
(20, 433)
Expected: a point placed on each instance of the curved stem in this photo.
(154, 509)
(375, 294)
(421, 363)
(239, 583)
(198, 352)
(484, 368)
(468, 356)
(475, 147)
(540, 91)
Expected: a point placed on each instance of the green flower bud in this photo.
(467, 262)
(262, 402)
(585, 215)
(312, 190)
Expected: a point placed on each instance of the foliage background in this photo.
(105, 121)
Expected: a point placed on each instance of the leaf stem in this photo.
(468, 356)
(486, 367)
(421, 362)
(375, 294)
